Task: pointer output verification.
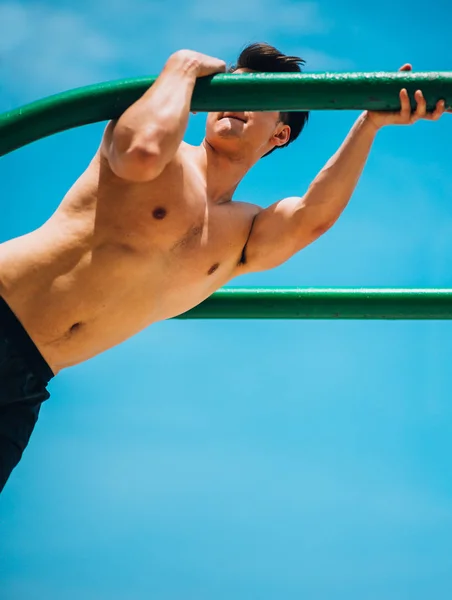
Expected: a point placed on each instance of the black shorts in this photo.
(24, 375)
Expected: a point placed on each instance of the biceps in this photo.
(279, 232)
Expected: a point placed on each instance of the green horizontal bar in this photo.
(252, 91)
(324, 303)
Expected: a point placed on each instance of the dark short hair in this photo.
(267, 59)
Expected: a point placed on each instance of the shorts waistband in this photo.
(14, 330)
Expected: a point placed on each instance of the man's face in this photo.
(245, 133)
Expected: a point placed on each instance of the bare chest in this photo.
(171, 223)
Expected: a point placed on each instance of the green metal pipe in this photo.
(324, 303)
(251, 91)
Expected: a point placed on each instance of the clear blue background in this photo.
(228, 459)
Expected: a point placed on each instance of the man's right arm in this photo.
(146, 137)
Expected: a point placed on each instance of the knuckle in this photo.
(189, 59)
(181, 57)
(183, 53)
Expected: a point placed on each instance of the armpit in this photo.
(242, 260)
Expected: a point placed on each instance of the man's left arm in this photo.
(286, 227)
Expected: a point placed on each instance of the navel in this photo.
(159, 213)
(75, 327)
(213, 268)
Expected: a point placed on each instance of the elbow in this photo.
(322, 228)
(134, 159)
(324, 222)
(316, 230)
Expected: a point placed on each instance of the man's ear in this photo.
(282, 136)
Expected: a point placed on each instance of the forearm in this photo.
(333, 187)
(155, 124)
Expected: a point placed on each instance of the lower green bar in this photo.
(324, 303)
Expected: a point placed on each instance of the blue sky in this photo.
(245, 459)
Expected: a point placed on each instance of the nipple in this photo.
(159, 213)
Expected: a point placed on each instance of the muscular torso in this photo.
(117, 256)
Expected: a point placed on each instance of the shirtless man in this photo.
(150, 230)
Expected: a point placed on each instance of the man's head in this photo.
(257, 132)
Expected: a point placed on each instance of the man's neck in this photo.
(223, 173)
